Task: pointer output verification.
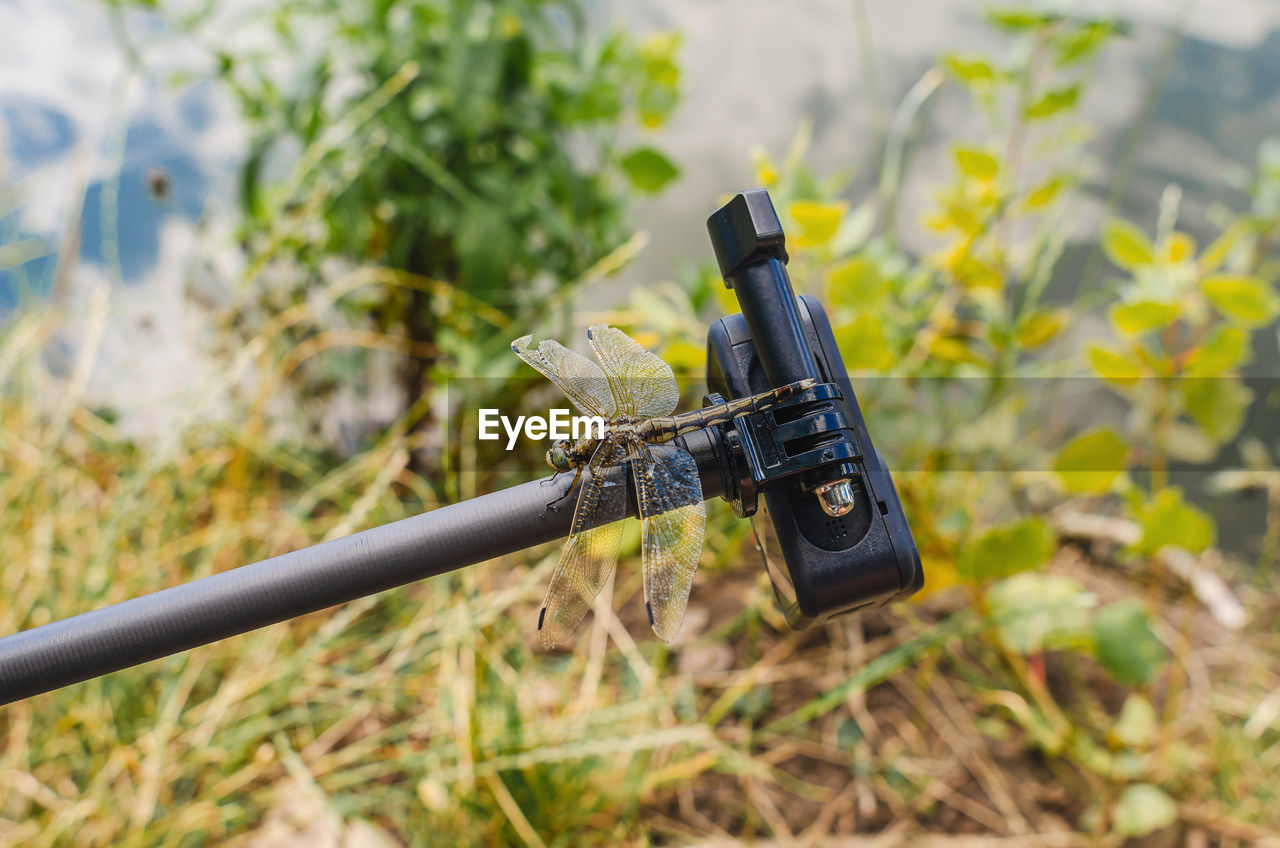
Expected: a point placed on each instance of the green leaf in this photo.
(849, 733)
(1126, 245)
(1137, 726)
(855, 229)
(658, 56)
(1248, 300)
(1044, 194)
(1083, 43)
(863, 345)
(818, 222)
(1218, 405)
(1004, 551)
(970, 70)
(1168, 520)
(857, 283)
(1217, 252)
(1225, 348)
(1033, 611)
(977, 163)
(1090, 462)
(648, 169)
(954, 350)
(1114, 367)
(1020, 20)
(963, 214)
(1124, 643)
(1143, 808)
(1054, 101)
(1142, 316)
(1039, 327)
(683, 357)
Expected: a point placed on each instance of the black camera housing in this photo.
(820, 565)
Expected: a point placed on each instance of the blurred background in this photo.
(261, 263)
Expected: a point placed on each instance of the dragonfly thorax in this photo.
(567, 456)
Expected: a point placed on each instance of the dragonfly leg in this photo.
(577, 475)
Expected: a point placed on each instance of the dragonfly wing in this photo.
(579, 378)
(642, 383)
(592, 550)
(674, 519)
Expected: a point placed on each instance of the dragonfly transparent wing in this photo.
(673, 521)
(579, 378)
(642, 383)
(592, 550)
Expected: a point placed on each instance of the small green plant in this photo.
(467, 158)
(975, 312)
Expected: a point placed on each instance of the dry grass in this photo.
(426, 715)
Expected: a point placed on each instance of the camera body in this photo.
(823, 562)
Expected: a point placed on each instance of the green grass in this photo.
(385, 706)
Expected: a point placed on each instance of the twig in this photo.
(513, 812)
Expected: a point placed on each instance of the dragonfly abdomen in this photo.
(659, 430)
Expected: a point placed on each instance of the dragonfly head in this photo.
(558, 456)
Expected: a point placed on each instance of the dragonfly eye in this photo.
(558, 458)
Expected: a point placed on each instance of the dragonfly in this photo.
(636, 394)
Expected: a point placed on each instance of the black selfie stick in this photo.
(766, 454)
(283, 587)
